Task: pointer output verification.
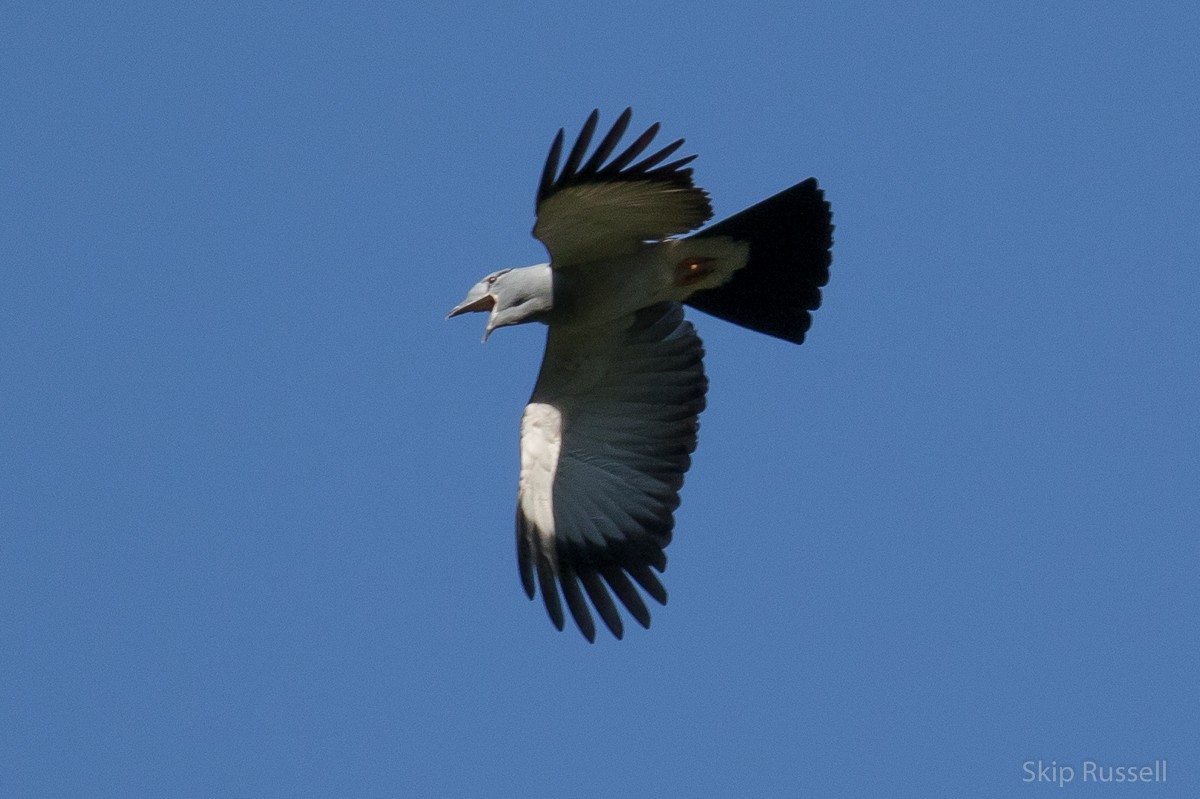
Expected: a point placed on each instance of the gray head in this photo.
(514, 296)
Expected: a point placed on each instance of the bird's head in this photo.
(513, 296)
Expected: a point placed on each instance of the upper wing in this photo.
(605, 442)
(591, 211)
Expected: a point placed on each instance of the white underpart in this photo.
(541, 441)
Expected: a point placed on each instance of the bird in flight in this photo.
(610, 429)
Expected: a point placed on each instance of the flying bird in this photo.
(610, 429)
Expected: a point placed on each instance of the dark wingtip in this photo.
(581, 143)
(577, 605)
(550, 592)
(524, 554)
(656, 157)
(550, 170)
(628, 595)
(603, 602)
(575, 172)
(646, 579)
(605, 147)
(525, 566)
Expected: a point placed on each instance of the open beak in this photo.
(477, 300)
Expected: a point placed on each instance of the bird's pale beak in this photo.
(476, 300)
(479, 298)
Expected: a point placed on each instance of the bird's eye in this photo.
(491, 279)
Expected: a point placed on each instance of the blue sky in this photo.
(256, 496)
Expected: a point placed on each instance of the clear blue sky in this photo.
(256, 496)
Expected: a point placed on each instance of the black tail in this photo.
(790, 237)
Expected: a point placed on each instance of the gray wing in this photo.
(605, 442)
(596, 210)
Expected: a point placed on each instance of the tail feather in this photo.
(790, 237)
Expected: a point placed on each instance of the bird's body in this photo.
(608, 433)
(655, 272)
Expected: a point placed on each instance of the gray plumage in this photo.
(609, 431)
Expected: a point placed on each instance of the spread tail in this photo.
(790, 236)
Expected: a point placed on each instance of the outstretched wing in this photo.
(605, 442)
(596, 210)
